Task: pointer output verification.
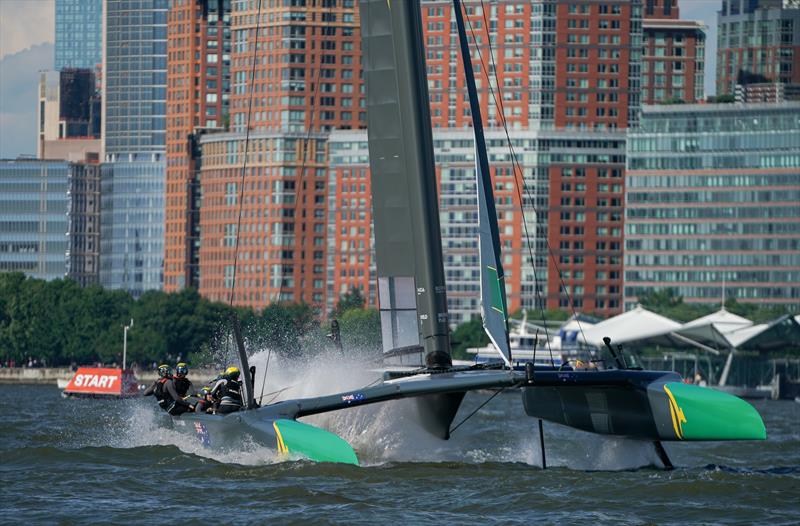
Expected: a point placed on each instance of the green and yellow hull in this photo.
(647, 405)
(291, 439)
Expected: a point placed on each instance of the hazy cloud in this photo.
(25, 23)
(19, 79)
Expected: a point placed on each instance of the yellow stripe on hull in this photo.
(281, 446)
(678, 418)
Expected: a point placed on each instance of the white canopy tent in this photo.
(719, 331)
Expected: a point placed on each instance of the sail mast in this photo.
(408, 246)
(494, 309)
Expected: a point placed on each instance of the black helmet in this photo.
(181, 369)
(164, 371)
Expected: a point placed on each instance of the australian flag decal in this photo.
(202, 433)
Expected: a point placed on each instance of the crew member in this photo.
(228, 392)
(178, 388)
(206, 403)
(157, 389)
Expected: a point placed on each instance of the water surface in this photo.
(115, 462)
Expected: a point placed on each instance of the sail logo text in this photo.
(93, 380)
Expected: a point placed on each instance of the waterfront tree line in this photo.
(60, 323)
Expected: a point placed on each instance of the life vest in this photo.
(182, 385)
(231, 393)
(159, 392)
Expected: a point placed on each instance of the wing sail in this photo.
(494, 307)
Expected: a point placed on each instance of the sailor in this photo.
(157, 389)
(178, 388)
(228, 392)
(206, 403)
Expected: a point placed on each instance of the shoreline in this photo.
(51, 375)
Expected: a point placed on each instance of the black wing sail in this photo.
(408, 246)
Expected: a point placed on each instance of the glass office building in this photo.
(33, 217)
(134, 143)
(713, 203)
(132, 223)
(135, 76)
(79, 34)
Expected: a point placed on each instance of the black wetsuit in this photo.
(229, 394)
(157, 390)
(176, 389)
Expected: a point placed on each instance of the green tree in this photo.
(722, 99)
(286, 328)
(667, 302)
(361, 330)
(465, 336)
(756, 313)
(353, 299)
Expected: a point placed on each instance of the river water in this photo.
(116, 462)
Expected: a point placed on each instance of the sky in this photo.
(27, 30)
(26, 46)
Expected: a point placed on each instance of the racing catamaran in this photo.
(646, 405)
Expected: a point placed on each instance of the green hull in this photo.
(699, 413)
(646, 405)
(294, 440)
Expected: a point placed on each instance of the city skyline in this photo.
(175, 110)
(27, 36)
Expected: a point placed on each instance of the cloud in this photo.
(25, 23)
(19, 80)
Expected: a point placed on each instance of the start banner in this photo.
(102, 381)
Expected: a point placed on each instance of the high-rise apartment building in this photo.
(350, 255)
(568, 66)
(673, 61)
(79, 34)
(198, 90)
(588, 200)
(661, 9)
(33, 217)
(306, 81)
(591, 60)
(713, 203)
(591, 63)
(571, 66)
(134, 143)
(758, 42)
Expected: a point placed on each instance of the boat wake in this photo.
(390, 432)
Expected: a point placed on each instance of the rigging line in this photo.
(244, 165)
(279, 391)
(515, 162)
(306, 141)
(298, 188)
(266, 368)
(246, 150)
(453, 430)
(519, 194)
